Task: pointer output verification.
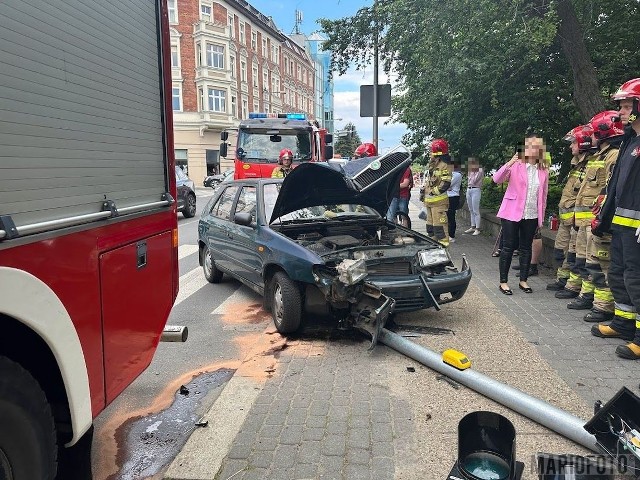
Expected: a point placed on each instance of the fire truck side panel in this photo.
(30, 301)
(134, 305)
(86, 129)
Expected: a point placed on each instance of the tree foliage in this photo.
(348, 141)
(480, 73)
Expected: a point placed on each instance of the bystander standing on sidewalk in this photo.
(454, 200)
(475, 175)
(523, 206)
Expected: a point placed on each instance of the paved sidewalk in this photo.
(328, 409)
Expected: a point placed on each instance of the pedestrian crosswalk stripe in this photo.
(186, 250)
(241, 295)
(190, 283)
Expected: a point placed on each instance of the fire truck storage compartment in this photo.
(129, 310)
(81, 117)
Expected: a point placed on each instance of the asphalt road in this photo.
(132, 438)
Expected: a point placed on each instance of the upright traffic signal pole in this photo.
(375, 74)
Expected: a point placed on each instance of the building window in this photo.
(243, 70)
(176, 96)
(245, 109)
(243, 39)
(217, 100)
(256, 107)
(265, 79)
(276, 86)
(273, 53)
(277, 60)
(215, 56)
(299, 76)
(286, 64)
(254, 41)
(205, 13)
(175, 56)
(173, 11)
(232, 60)
(201, 104)
(234, 107)
(232, 26)
(264, 47)
(254, 75)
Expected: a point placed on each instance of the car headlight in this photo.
(351, 272)
(433, 257)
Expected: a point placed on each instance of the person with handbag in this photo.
(523, 207)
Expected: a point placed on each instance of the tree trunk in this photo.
(586, 91)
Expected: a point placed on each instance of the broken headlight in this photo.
(351, 272)
(434, 257)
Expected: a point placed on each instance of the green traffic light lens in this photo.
(486, 466)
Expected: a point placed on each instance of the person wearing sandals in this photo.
(474, 190)
(523, 206)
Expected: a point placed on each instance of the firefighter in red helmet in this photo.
(285, 159)
(620, 215)
(365, 150)
(436, 199)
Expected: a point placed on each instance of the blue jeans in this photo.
(397, 205)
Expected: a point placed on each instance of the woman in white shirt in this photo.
(454, 200)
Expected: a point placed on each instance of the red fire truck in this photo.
(88, 229)
(263, 135)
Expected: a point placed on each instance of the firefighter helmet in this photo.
(606, 124)
(285, 153)
(366, 150)
(630, 90)
(439, 147)
(582, 136)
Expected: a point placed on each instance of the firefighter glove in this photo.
(597, 205)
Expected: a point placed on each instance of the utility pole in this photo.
(375, 73)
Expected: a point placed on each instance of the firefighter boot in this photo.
(566, 293)
(581, 302)
(605, 331)
(598, 316)
(630, 351)
(558, 285)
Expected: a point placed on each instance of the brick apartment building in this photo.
(229, 59)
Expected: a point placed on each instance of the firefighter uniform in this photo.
(621, 213)
(436, 199)
(564, 249)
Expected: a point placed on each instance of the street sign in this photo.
(384, 100)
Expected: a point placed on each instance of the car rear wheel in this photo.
(211, 272)
(286, 303)
(28, 443)
(190, 206)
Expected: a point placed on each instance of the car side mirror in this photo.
(243, 218)
(223, 150)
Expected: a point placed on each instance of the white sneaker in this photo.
(470, 230)
(476, 232)
(452, 240)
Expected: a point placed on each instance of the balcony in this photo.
(210, 29)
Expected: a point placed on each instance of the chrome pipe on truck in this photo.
(174, 333)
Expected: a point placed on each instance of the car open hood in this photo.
(371, 181)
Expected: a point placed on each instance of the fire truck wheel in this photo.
(211, 272)
(190, 208)
(28, 437)
(286, 303)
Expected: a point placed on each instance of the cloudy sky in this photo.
(347, 87)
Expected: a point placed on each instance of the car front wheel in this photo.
(211, 272)
(286, 304)
(190, 207)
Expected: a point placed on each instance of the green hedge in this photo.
(492, 194)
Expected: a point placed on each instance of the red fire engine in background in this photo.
(88, 229)
(263, 135)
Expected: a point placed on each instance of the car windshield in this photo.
(313, 213)
(262, 147)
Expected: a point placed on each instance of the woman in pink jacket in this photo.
(523, 206)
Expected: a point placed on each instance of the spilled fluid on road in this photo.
(153, 441)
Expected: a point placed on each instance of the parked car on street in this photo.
(214, 180)
(318, 242)
(186, 194)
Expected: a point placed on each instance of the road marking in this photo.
(186, 250)
(190, 283)
(241, 295)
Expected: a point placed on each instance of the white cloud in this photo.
(346, 102)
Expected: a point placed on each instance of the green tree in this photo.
(480, 73)
(348, 140)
